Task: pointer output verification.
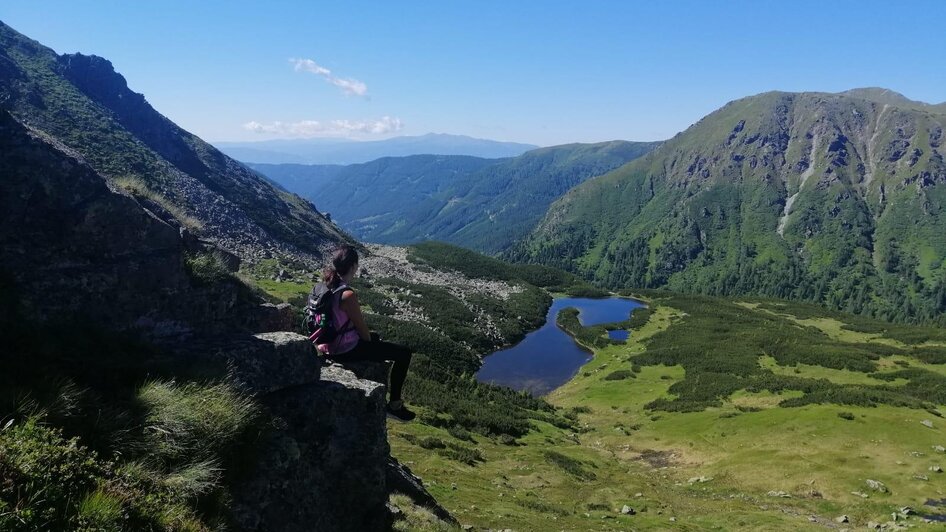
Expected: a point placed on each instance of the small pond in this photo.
(619, 334)
(546, 358)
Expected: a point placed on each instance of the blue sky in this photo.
(538, 72)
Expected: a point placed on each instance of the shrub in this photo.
(569, 465)
(461, 433)
(459, 453)
(43, 476)
(618, 375)
(207, 268)
(430, 442)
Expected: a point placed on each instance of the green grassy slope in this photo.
(835, 199)
(658, 413)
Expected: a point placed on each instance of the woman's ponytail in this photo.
(344, 258)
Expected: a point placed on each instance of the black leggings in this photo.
(378, 350)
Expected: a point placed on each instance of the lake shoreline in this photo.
(552, 355)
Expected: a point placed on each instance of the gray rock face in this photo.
(325, 466)
(62, 241)
(263, 363)
(400, 479)
(73, 247)
(372, 371)
(271, 318)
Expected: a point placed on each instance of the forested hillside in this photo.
(831, 198)
(483, 204)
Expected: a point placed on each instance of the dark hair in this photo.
(344, 259)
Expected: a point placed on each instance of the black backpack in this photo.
(319, 318)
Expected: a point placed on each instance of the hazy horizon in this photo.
(535, 73)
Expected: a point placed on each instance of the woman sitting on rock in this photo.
(354, 342)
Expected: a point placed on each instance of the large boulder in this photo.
(261, 363)
(324, 466)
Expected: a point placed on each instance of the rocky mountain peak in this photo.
(96, 77)
(884, 96)
(83, 103)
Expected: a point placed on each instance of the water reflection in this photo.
(546, 358)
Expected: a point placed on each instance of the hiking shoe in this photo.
(399, 412)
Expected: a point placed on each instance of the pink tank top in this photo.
(346, 341)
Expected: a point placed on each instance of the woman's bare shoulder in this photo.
(349, 294)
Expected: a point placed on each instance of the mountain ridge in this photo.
(484, 204)
(814, 196)
(86, 105)
(350, 151)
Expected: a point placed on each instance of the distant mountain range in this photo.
(834, 198)
(483, 204)
(344, 151)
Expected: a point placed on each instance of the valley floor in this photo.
(747, 464)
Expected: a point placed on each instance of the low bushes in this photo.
(569, 465)
(719, 344)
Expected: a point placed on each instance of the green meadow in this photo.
(776, 446)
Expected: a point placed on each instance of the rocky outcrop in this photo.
(74, 248)
(324, 466)
(261, 363)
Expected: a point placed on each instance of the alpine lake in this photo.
(548, 357)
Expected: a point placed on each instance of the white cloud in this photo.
(348, 85)
(333, 128)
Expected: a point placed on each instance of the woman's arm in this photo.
(349, 304)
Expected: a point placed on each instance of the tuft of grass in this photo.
(416, 518)
(100, 511)
(139, 188)
(191, 422)
(193, 480)
(207, 268)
